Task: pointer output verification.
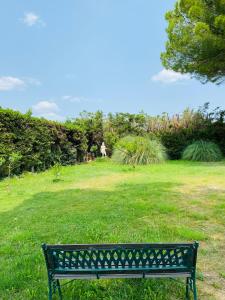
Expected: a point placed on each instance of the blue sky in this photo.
(61, 57)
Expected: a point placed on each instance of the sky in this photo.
(59, 58)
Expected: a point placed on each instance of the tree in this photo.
(196, 39)
(91, 124)
(13, 162)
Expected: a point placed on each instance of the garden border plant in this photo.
(139, 150)
(202, 151)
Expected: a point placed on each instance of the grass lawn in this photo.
(101, 202)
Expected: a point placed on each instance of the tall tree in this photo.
(196, 39)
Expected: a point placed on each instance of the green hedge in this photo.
(175, 132)
(39, 143)
(176, 141)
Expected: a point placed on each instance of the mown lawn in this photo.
(101, 202)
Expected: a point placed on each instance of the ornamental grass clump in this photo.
(202, 151)
(137, 150)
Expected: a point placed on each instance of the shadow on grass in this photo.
(131, 213)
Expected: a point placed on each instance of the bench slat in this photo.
(131, 270)
(116, 246)
(133, 275)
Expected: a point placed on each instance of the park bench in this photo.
(96, 261)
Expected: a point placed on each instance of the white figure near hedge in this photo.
(103, 149)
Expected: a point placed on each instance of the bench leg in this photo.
(50, 291)
(59, 289)
(52, 286)
(187, 289)
(195, 290)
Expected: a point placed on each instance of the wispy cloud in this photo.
(47, 109)
(31, 19)
(169, 76)
(80, 99)
(8, 83)
(74, 99)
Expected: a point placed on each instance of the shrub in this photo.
(202, 151)
(137, 150)
(33, 144)
(41, 142)
(57, 169)
(176, 132)
(13, 162)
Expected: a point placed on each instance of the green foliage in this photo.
(10, 163)
(196, 39)
(175, 132)
(13, 162)
(43, 143)
(94, 150)
(91, 125)
(202, 151)
(2, 161)
(39, 143)
(122, 124)
(57, 169)
(137, 150)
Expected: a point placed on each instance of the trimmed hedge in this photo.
(39, 143)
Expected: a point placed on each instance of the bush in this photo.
(42, 143)
(175, 132)
(137, 150)
(202, 151)
(57, 169)
(33, 144)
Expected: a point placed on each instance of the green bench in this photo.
(96, 261)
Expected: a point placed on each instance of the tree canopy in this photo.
(196, 39)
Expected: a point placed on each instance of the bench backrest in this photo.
(69, 258)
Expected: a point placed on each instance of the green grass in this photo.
(102, 202)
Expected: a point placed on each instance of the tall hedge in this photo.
(39, 143)
(175, 132)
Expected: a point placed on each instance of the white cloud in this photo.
(80, 99)
(31, 19)
(73, 99)
(169, 76)
(45, 107)
(48, 110)
(8, 83)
